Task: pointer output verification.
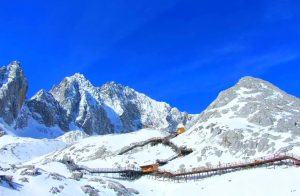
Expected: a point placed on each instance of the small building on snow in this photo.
(180, 129)
(150, 168)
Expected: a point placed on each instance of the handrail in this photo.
(151, 140)
(228, 166)
(221, 167)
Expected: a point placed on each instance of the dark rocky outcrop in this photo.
(13, 89)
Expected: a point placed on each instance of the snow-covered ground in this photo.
(259, 182)
(17, 150)
(280, 181)
(102, 152)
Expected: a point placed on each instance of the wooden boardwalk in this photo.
(156, 140)
(202, 172)
(140, 144)
(198, 173)
(109, 170)
(179, 150)
(192, 174)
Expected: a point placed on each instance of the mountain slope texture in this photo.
(75, 104)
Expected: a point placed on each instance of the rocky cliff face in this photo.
(13, 89)
(46, 110)
(80, 99)
(130, 110)
(112, 108)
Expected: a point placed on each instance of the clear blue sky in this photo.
(179, 51)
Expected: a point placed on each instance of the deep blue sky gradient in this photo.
(183, 52)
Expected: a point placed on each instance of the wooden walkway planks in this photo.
(238, 166)
(196, 173)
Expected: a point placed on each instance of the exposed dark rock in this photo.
(30, 172)
(56, 176)
(77, 175)
(24, 179)
(91, 191)
(13, 89)
(46, 110)
(55, 190)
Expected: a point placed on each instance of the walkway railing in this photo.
(180, 151)
(198, 172)
(287, 159)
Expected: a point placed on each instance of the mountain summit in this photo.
(13, 89)
(259, 102)
(251, 119)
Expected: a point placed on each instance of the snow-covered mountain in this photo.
(260, 103)
(75, 104)
(250, 120)
(113, 108)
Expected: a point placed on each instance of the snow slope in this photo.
(252, 119)
(101, 152)
(280, 181)
(48, 182)
(96, 151)
(17, 150)
(258, 182)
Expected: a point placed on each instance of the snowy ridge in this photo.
(17, 150)
(72, 137)
(103, 150)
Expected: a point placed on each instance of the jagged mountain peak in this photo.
(16, 63)
(116, 90)
(13, 89)
(41, 94)
(79, 80)
(12, 71)
(72, 89)
(112, 84)
(113, 90)
(114, 87)
(78, 76)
